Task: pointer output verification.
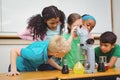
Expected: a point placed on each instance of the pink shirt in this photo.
(27, 35)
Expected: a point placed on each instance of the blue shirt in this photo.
(32, 56)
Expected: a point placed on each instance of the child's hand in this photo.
(59, 68)
(73, 31)
(13, 73)
(70, 69)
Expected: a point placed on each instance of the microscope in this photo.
(87, 49)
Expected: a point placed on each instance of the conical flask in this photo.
(65, 69)
(78, 68)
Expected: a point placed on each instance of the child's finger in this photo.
(70, 69)
(18, 73)
(13, 74)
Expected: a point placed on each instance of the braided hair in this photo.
(37, 23)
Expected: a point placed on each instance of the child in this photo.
(72, 57)
(30, 57)
(108, 48)
(42, 27)
(89, 22)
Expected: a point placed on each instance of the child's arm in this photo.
(73, 31)
(14, 53)
(54, 64)
(112, 62)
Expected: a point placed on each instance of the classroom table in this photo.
(39, 75)
(57, 75)
(93, 76)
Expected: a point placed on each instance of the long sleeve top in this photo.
(27, 34)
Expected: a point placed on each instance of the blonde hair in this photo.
(59, 44)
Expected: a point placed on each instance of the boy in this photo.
(30, 57)
(108, 48)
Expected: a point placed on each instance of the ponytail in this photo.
(37, 26)
(62, 20)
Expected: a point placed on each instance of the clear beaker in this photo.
(103, 59)
(101, 64)
(86, 64)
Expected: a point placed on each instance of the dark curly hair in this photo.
(37, 23)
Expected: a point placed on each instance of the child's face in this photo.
(53, 23)
(76, 23)
(57, 54)
(106, 47)
(89, 24)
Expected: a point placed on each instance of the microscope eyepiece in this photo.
(90, 41)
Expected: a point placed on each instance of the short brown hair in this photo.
(72, 18)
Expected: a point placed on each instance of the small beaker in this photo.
(103, 59)
(65, 69)
(86, 64)
(101, 64)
